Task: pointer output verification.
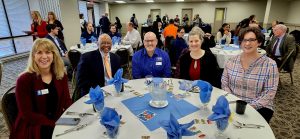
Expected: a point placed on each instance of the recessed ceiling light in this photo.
(119, 1)
(149, 0)
(179, 0)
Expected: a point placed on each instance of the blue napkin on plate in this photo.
(221, 113)
(184, 86)
(205, 90)
(96, 98)
(110, 119)
(175, 130)
(117, 80)
(83, 41)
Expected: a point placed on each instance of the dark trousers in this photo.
(266, 113)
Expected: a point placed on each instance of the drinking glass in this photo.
(188, 86)
(98, 107)
(221, 124)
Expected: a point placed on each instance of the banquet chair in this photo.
(125, 58)
(283, 64)
(74, 57)
(9, 107)
(1, 70)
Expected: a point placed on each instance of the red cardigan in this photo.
(30, 119)
(41, 29)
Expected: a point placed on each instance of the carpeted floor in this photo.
(285, 122)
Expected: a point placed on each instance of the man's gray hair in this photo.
(197, 31)
(282, 27)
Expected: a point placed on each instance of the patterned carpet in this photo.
(285, 122)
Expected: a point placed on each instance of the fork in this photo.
(243, 124)
(78, 113)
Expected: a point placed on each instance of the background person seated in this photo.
(150, 60)
(251, 76)
(42, 93)
(97, 65)
(89, 33)
(224, 34)
(280, 46)
(114, 35)
(177, 46)
(132, 37)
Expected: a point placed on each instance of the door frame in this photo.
(224, 17)
(190, 18)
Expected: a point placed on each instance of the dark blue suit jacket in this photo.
(61, 44)
(90, 71)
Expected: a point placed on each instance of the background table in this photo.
(134, 128)
(227, 52)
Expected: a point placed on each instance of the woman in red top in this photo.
(198, 64)
(42, 93)
(38, 26)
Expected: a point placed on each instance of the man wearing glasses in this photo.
(150, 60)
(96, 66)
(280, 46)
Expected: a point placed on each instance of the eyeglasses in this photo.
(249, 40)
(148, 41)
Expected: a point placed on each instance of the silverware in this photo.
(79, 127)
(106, 93)
(226, 94)
(78, 113)
(243, 124)
(240, 127)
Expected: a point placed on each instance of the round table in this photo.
(135, 129)
(93, 46)
(223, 54)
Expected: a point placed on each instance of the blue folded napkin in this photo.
(205, 90)
(221, 113)
(96, 98)
(117, 80)
(110, 119)
(83, 41)
(183, 85)
(115, 40)
(175, 130)
(93, 39)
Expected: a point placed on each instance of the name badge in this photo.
(158, 63)
(42, 92)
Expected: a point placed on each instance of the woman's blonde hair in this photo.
(53, 14)
(57, 66)
(38, 16)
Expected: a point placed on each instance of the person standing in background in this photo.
(38, 26)
(118, 25)
(177, 20)
(53, 20)
(104, 23)
(134, 21)
(82, 23)
(149, 20)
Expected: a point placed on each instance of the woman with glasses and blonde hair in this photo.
(251, 76)
(196, 63)
(53, 20)
(42, 93)
(38, 26)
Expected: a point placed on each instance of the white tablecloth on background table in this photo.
(223, 56)
(134, 128)
(93, 46)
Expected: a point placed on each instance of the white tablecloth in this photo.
(224, 55)
(134, 128)
(93, 46)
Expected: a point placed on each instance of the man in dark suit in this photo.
(96, 66)
(60, 45)
(280, 46)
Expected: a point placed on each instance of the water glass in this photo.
(112, 133)
(98, 107)
(222, 125)
(158, 92)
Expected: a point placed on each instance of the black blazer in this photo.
(209, 68)
(90, 71)
(61, 44)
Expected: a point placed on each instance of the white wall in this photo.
(70, 20)
(293, 13)
(279, 11)
(34, 5)
(236, 11)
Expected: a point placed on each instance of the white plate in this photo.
(152, 104)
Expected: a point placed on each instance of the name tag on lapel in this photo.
(158, 61)
(42, 92)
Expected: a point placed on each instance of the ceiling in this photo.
(166, 1)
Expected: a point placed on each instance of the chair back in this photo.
(74, 57)
(124, 56)
(9, 107)
(285, 60)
